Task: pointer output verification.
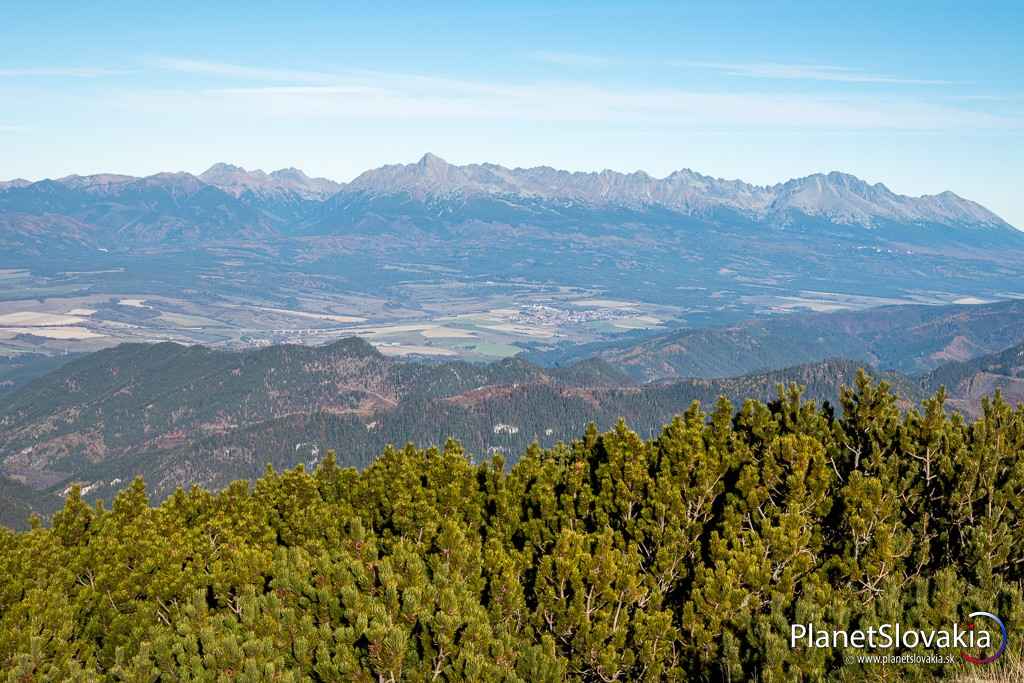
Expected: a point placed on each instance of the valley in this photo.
(478, 262)
(193, 415)
(193, 329)
(472, 320)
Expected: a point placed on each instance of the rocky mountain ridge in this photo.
(236, 181)
(835, 197)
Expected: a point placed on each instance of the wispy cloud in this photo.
(253, 92)
(384, 96)
(67, 72)
(983, 98)
(237, 71)
(572, 59)
(805, 72)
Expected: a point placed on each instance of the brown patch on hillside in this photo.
(960, 348)
(475, 397)
(42, 454)
(169, 439)
(370, 404)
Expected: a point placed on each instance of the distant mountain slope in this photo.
(908, 339)
(182, 415)
(969, 381)
(18, 370)
(502, 419)
(285, 198)
(135, 397)
(18, 502)
(117, 211)
(237, 181)
(185, 415)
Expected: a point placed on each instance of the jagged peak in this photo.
(221, 170)
(85, 181)
(172, 175)
(175, 182)
(14, 183)
(181, 178)
(222, 167)
(290, 172)
(237, 181)
(429, 160)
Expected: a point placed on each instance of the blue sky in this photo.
(924, 97)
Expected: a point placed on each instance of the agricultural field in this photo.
(442, 317)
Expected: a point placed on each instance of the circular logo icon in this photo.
(1002, 644)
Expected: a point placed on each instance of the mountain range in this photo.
(227, 201)
(837, 196)
(714, 249)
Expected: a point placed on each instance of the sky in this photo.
(924, 97)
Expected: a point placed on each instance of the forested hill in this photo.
(19, 502)
(969, 381)
(138, 396)
(911, 339)
(501, 419)
(192, 415)
(613, 558)
(18, 370)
